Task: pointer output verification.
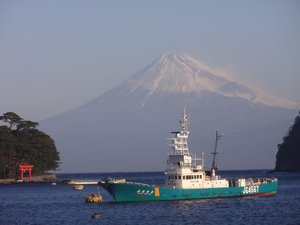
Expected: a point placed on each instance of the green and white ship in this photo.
(186, 178)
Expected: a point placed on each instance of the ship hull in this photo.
(136, 192)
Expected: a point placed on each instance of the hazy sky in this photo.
(57, 55)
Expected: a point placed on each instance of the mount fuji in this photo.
(126, 128)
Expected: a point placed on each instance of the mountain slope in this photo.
(126, 128)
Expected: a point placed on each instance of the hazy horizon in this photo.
(58, 55)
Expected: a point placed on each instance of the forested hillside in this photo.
(288, 155)
(22, 143)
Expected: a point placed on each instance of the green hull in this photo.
(136, 192)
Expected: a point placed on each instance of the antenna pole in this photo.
(213, 166)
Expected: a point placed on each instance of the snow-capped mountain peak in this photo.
(181, 73)
(173, 73)
(132, 119)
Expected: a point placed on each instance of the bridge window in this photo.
(189, 177)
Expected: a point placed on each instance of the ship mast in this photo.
(179, 144)
(184, 121)
(213, 166)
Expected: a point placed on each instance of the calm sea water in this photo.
(60, 204)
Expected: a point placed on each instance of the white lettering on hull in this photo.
(251, 189)
(144, 192)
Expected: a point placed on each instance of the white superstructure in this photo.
(185, 170)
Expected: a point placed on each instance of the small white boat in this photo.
(78, 186)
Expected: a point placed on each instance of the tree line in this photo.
(22, 143)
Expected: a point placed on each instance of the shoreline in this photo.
(45, 178)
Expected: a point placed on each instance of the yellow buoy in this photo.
(94, 198)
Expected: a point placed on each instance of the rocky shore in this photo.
(46, 178)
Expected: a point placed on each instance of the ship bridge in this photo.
(183, 170)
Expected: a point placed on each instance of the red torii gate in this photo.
(24, 168)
